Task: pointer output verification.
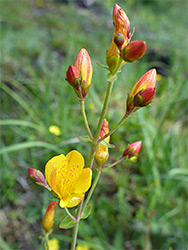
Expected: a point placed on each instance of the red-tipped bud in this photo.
(101, 154)
(37, 177)
(144, 97)
(79, 75)
(119, 40)
(121, 20)
(133, 51)
(143, 91)
(73, 75)
(132, 149)
(48, 219)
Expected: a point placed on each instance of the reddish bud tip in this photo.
(37, 177)
(134, 51)
(132, 149)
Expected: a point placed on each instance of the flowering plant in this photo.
(65, 176)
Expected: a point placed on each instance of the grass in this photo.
(139, 205)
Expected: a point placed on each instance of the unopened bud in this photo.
(48, 219)
(72, 75)
(144, 97)
(132, 149)
(133, 51)
(119, 40)
(101, 154)
(37, 177)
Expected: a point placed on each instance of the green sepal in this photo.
(111, 78)
(67, 223)
(84, 138)
(106, 144)
(53, 199)
(86, 212)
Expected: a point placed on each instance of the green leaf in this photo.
(86, 212)
(67, 223)
(106, 144)
(84, 138)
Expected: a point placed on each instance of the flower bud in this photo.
(119, 40)
(122, 26)
(37, 177)
(79, 75)
(48, 219)
(121, 20)
(101, 154)
(144, 97)
(132, 149)
(133, 51)
(143, 91)
(73, 75)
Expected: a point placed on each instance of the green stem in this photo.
(113, 164)
(69, 214)
(75, 229)
(94, 144)
(91, 190)
(82, 105)
(115, 128)
(46, 241)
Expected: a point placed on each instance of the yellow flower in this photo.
(54, 130)
(82, 247)
(67, 178)
(53, 244)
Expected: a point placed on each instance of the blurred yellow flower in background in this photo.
(55, 130)
(82, 247)
(53, 244)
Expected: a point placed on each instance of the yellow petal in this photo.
(63, 202)
(83, 182)
(75, 161)
(54, 169)
(74, 201)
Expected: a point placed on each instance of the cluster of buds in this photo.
(79, 75)
(121, 48)
(101, 154)
(142, 92)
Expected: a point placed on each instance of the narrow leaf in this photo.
(86, 212)
(84, 138)
(67, 223)
(106, 144)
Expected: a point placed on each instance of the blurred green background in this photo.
(137, 205)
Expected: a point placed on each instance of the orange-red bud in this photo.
(134, 51)
(72, 75)
(144, 97)
(101, 154)
(48, 219)
(79, 75)
(132, 149)
(37, 177)
(143, 91)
